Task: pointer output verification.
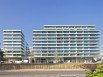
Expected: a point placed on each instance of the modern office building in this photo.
(68, 43)
(26, 49)
(14, 44)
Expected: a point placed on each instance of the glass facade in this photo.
(69, 42)
(14, 43)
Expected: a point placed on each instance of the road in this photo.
(42, 73)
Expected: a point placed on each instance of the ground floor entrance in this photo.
(64, 59)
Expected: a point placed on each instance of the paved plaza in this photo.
(43, 73)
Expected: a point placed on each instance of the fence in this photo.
(49, 66)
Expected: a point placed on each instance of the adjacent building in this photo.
(67, 43)
(27, 51)
(1, 55)
(14, 44)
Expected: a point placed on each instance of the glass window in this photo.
(66, 31)
(79, 31)
(44, 31)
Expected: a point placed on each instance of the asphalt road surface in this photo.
(42, 73)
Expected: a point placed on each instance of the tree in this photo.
(17, 57)
(56, 58)
(6, 55)
(97, 73)
(46, 58)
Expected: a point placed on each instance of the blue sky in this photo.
(29, 15)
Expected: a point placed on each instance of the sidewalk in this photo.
(24, 70)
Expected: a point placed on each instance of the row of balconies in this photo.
(13, 43)
(62, 44)
(63, 39)
(67, 55)
(68, 28)
(18, 37)
(68, 33)
(61, 51)
(8, 32)
(13, 40)
(70, 41)
(17, 43)
(65, 49)
(13, 53)
(12, 46)
(64, 36)
(52, 30)
(65, 46)
(12, 35)
(13, 56)
(67, 43)
(68, 46)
